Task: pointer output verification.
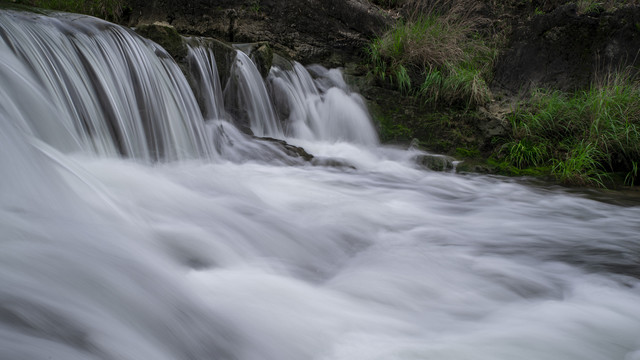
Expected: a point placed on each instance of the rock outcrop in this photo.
(566, 49)
(324, 31)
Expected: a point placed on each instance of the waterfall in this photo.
(204, 71)
(137, 221)
(247, 98)
(321, 110)
(114, 92)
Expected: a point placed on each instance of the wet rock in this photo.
(263, 57)
(261, 54)
(291, 150)
(436, 162)
(295, 154)
(176, 45)
(332, 162)
(166, 36)
(224, 54)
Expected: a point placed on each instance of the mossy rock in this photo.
(224, 54)
(282, 62)
(178, 48)
(167, 37)
(261, 54)
(436, 162)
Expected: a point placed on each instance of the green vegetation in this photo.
(391, 131)
(581, 136)
(436, 55)
(107, 9)
(440, 56)
(467, 153)
(255, 6)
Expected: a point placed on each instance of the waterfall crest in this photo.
(116, 93)
(204, 72)
(113, 93)
(247, 98)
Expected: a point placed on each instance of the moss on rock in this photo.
(167, 37)
(261, 54)
(224, 54)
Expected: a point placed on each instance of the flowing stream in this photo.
(137, 222)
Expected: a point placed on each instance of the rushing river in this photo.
(135, 226)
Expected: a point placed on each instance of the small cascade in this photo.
(112, 93)
(204, 73)
(323, 109)
(115, 92)
(246, 98)
(294, 94)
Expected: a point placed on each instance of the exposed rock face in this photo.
(324, 31)
(565, 49)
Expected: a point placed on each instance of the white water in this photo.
(109, 106)
(103, 257)
(247, 97)
(322, 110)
(204, 71)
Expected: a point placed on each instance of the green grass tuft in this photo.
(435, 56)
(525, 153)
(580, 165)
(582, 135)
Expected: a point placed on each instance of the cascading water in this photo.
(324, 110)
(115, 93)
(204, 71)
(104, 257)
(247, 98)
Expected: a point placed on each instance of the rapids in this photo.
(134, 225)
